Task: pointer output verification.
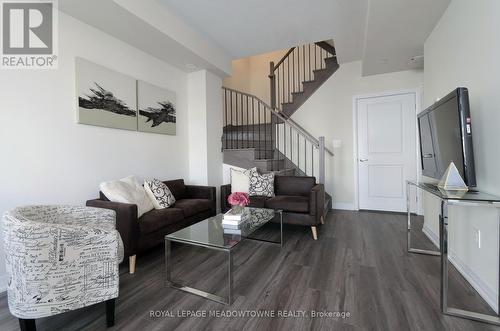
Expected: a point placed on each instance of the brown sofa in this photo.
(300, 198)
(193, 204)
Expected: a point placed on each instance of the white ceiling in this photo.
(245, 28)
(385, 34)
(152, 28)
(396, 31)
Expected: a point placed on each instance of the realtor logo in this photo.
(29, 35)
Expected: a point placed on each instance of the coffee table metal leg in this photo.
(281, 229)
(273, 242)
(167, 261)
(169, 282)
(230, 277)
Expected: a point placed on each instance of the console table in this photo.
(466, 199)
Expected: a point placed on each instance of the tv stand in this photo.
(466, 199)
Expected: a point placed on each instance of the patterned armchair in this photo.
(60, 258)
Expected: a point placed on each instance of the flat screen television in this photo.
(446, 135)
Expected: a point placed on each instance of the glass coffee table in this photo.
(210, 234)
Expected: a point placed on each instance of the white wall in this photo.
(196, 48)
(259, 74)
(214, 131)
(48, 158)
(251, 74)
(205, 129)
(197, 127)
(240, 77)
(328, 112)
(463, 50)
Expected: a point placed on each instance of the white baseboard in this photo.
(343, 206)
(485, 291)
(433, 237)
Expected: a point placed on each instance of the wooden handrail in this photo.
(283, 58)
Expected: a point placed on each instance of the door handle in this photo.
(428, 156)
(363, 160)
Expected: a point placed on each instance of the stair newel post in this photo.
(321, 150)
(272, 77)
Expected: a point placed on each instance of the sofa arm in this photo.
(127, 223)
(225, 191)
(203, 192)
(317, 201)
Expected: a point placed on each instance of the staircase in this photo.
(256, 134)
(299, 74)
(250, 136)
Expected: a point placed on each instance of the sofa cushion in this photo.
(177, 187)
(158, 218)
(258, 202)
(192, 207)
(295, 204)
(240, 180)
(127, 190)
(294, 185)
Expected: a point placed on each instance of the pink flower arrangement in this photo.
(238, 199)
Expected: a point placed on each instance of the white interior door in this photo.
(387, 150)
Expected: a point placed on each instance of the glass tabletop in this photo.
(471, 195)
(210, 232)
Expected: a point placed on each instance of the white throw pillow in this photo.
(240, 180)
(261, 184)
(128, 190)
(159, 193)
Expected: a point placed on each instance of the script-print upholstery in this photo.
(60, 258)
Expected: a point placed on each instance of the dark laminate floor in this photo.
(358, 265)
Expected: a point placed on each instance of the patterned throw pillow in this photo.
(261, 185)
(159, 194)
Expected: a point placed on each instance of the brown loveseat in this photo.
(300, 198)
(193, 204)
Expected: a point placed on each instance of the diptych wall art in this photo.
(111, 99)
(105, 97)
(156, 109)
